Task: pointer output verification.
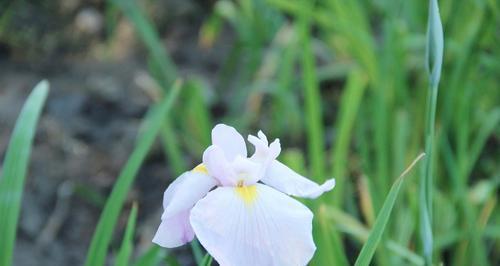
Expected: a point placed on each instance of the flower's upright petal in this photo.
(284, 179)
(178, 200)
(229, 140)
(254, 225)
(218, 166)
(247, 171)
(264, 153)
(279, 176)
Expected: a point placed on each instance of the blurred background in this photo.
(343, 84)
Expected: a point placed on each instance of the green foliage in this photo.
(152, 257)
(15, 167)
(344, 85)
(207, 261)
(123, 256)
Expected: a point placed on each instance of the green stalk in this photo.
(434, 56)
(426, 182)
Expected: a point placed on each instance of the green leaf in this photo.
(153, 256)
(104, 231)
(366, 254)
(149, 36)
(197, 252)
(162, 69)
(127, 246)
(15, 167)
(207, 260)
(350, 103)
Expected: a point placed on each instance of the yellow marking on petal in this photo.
(247, 193)
(200, 168)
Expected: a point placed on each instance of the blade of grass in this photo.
(15, 166)
(207, 260)
(490, 122)
(197, 117)
(150, 37)
(314, 125)
(122, 259)
(153, 256)
(352, 226)
(171, 148)
(434, 56)
(104, 230)
(351, 99)
(162, 68)
(330, 251)
(197, 252)
(366, 254)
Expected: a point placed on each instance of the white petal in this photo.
(264, 153)
(174, 231)
(284, 179)
(260, 227)
(186, 190)
(218, 166)
(229, 140)
(178, 200)
(247, 172)
(240, 171)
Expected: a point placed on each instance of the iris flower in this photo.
(240, 207)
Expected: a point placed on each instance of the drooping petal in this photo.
(187, 190)
(229, 140)
(218, 166)
(281, 177)
(254, 225)
(284, 179)
(174, 231)
(178, 200)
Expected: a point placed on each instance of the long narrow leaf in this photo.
(15, 167)
(351, 99)
(104, 231)
(152, 257)
(207, 260)
(150, 37)
(123, 256)
(366, 254)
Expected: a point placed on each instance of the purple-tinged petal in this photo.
(218, 166)
(174, 231)
(178, 200)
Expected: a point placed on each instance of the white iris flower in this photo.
(249, 218)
